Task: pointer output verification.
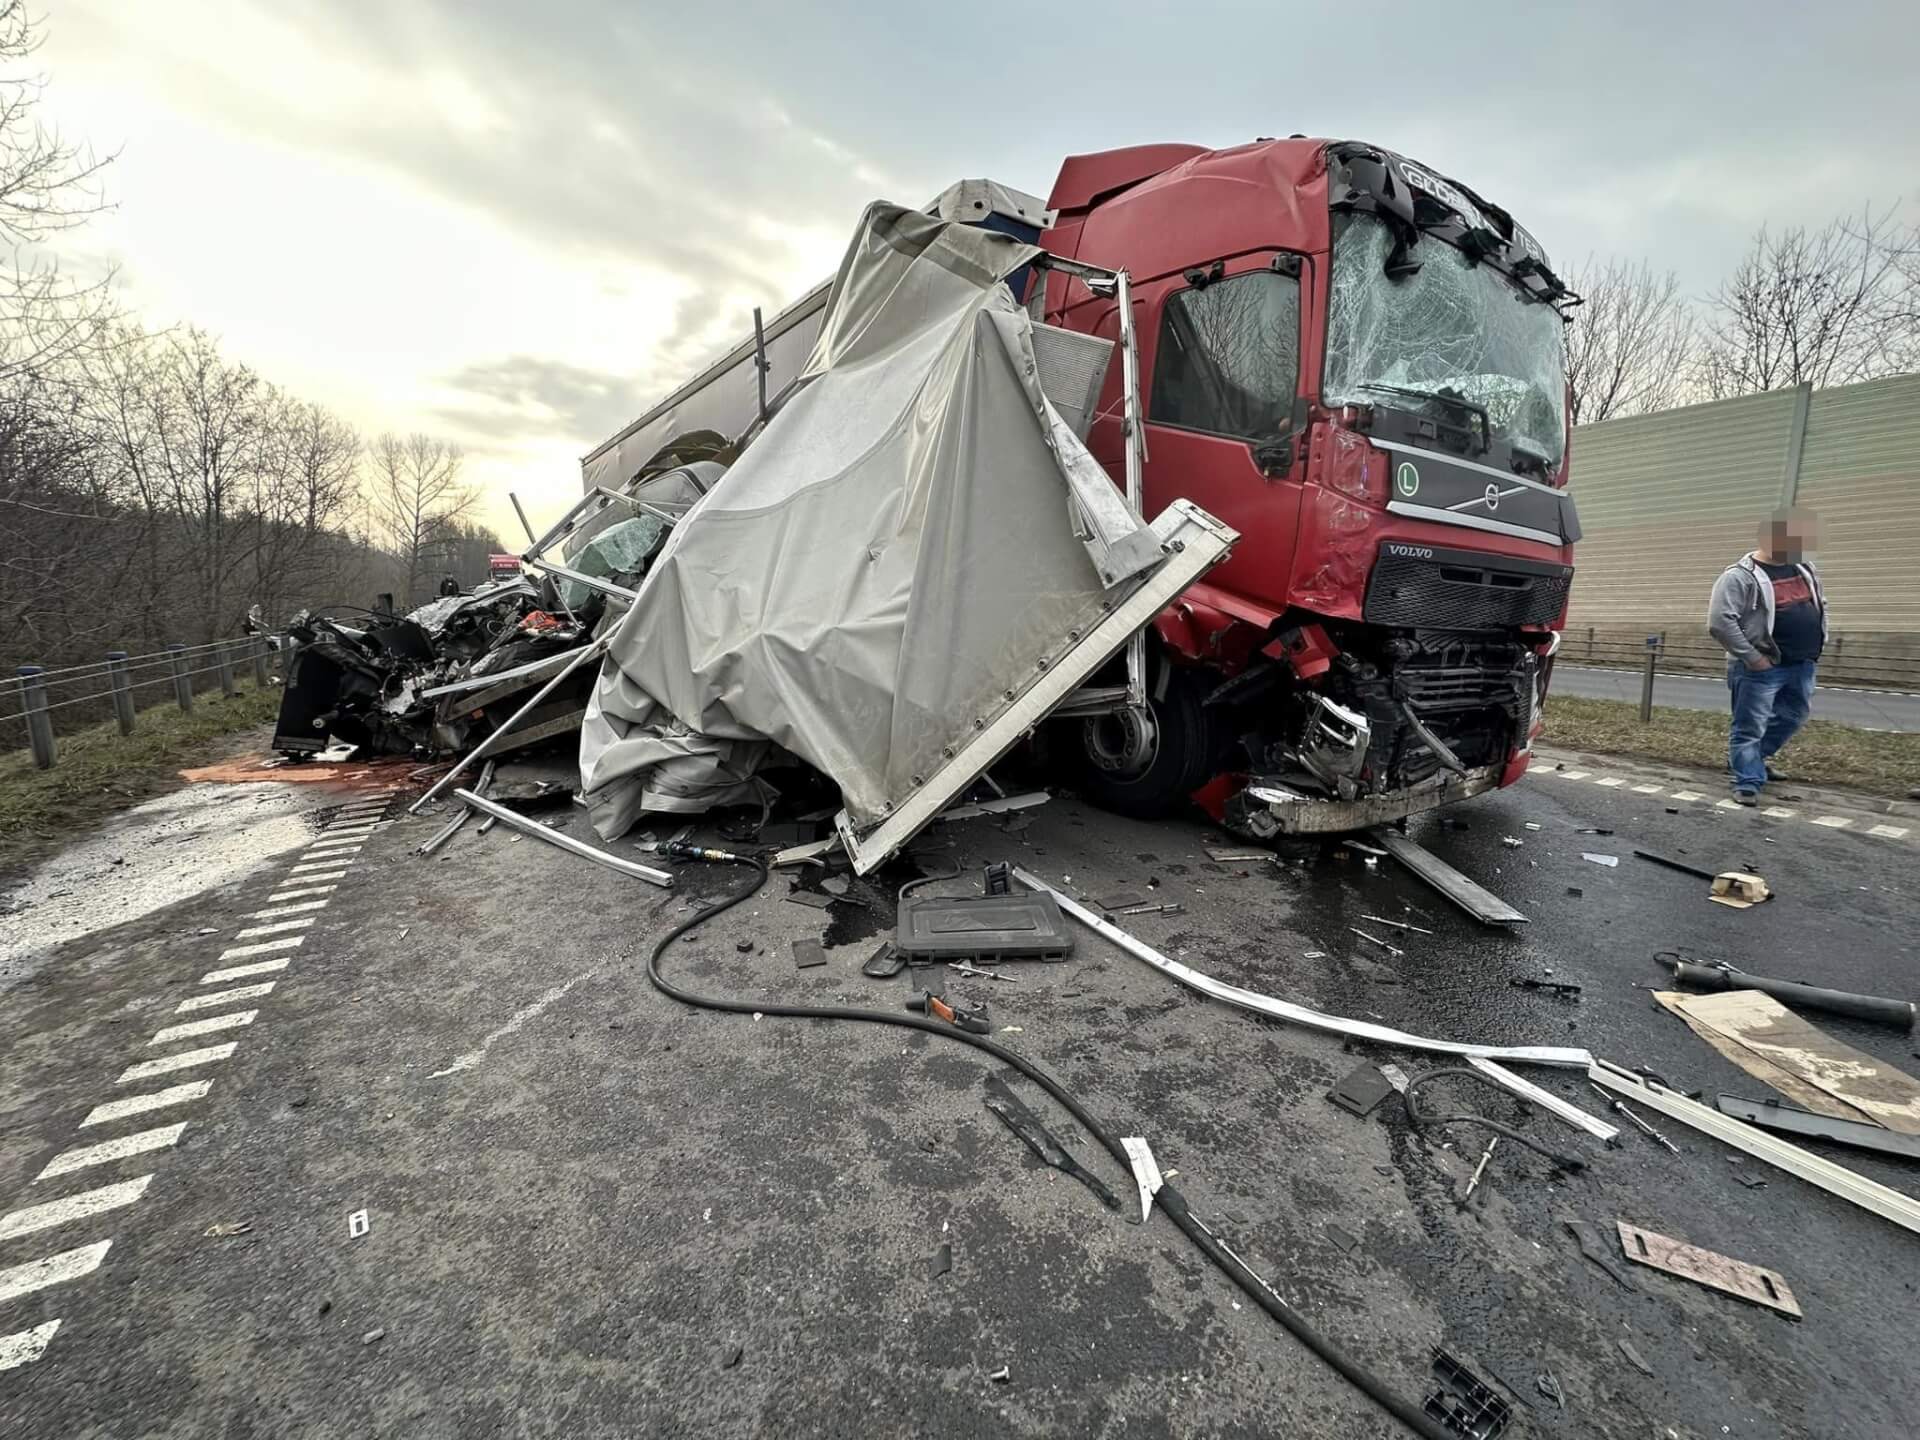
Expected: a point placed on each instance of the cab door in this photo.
(1220, 364)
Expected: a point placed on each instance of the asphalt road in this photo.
(1867, 709)
(595, 1212)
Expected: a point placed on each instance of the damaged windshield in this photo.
(1451, 336)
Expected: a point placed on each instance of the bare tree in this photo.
(1825, 307)
(418, 502)
(1630, 346)
(46, 186)
(303, 473)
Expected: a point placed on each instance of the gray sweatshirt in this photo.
(1740, 614)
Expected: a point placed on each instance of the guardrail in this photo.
(1874, 662)
(108, 687)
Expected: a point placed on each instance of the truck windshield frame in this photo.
(1454, 327)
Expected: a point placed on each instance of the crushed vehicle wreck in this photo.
(448, 674)
(1356, 364)
(910, 566)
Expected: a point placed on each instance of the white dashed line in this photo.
(280, 910)
(241, 972)
(296, 894)
(110, 1150)
(1727, 805)
(140, 1104)
(279, 927)
(1609, 782)
(54, 1270)
(1573, 774)
(263, 947)
(332, 852)
(23, 1347)
(73, 1207)
(1648, 789)
(167, 1064)
(1686, 795)
(204, 1027)
(1831, 822)
(223, 997)
(1890, 832)
(333, 868)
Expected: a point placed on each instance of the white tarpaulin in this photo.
(912, 538)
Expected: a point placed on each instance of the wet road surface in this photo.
(594, 1212)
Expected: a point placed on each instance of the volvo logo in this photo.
(1411, 552)
(1493, 497)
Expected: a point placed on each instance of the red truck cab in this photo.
(1357, 364)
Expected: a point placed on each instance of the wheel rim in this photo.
(1122, 745)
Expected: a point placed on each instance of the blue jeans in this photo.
(1769, 707)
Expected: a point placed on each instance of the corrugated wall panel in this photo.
(1860, 471)
(1668, 501)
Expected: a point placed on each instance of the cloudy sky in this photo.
(516, 225)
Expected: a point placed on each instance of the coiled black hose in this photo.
(1171, 1202)
(1419, 1118)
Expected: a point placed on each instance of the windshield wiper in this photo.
(1458, 403)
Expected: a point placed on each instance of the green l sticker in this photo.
(1407, 479)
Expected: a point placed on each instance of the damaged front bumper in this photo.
(1265, 807)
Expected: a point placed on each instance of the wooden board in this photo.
(1752, 1283)
(1766, 1028)
(1807, 1097)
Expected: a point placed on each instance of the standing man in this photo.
(1770, 616)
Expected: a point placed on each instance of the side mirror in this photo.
(1274, 457)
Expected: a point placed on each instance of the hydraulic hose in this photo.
(1419, 1118)
(1171, 1202)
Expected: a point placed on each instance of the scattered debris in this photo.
(1610, 861)
(1376, 940)
(1476, 900)
(1593, 830)
(1397, 1078)
(1738, 1278)
(807, 953)
(1361, 1090)
(1171, 908)
(1597, 1250)
(1228, 857)
(1671, 864)
(1897, 1013)
(1395, 924)
(373, 1335)
(885, 962)
(937, 929)
(1473, 1182)
(358, 1224)
(971, 1018)
(941, 1263)
(1532, 825)
(1465, 1404)
(1346, 1243)
(1114, 904)
(1546, 1100)
(1146, 1172)
(1004, 1373)
(1512, 842)
(811, 898)
(1575, 891)
(963, 967)
(1776, 1115)
(1620, 1107)
(228, 1227)
(1550, 1387)
(1634, 1357)
(1739, 890)
(1024, 1123)
(1554, 987)
(730, 1357)
(1772, 1039)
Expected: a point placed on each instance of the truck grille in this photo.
(1461, 590)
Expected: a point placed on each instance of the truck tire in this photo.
(1148, 767)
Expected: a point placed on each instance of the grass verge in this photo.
(99, 771)
(1823, 753)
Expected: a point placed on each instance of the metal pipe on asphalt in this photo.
(1881, 1011)
(589, 652)
(528, 826)
(453, 826)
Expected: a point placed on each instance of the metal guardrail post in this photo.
(122, 690)
(33, 701)
(1590, 642)
(223, 662)
(260, 662)
(1646, 682)
(182, 681)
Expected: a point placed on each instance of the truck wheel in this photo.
(1147, 763)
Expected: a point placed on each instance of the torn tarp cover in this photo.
(887, 562)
